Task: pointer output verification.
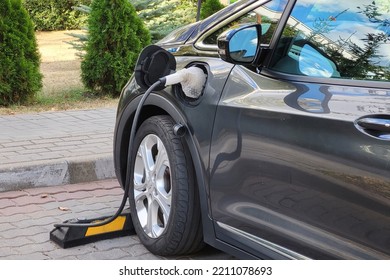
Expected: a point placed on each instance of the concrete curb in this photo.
(57, 172)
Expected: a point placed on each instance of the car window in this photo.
(336, 39)
(267, 15)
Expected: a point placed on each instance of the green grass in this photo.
(71, 99)
(63, 97)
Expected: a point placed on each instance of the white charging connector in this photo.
(192, 81)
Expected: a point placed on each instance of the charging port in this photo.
(182, 96)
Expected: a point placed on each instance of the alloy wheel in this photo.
(152, 186)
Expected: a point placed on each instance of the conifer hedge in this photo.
(20, 78)
(48, 15)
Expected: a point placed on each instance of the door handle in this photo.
(377, 126)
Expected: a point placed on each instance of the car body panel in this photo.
(306, 168)
(288, 166)
(196, 116)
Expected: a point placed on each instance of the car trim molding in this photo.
(265, 243)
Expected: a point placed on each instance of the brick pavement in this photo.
(27, 217)
(54, 148)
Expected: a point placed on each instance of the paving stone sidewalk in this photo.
(56, 148)
(27, 217)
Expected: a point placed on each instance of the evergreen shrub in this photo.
(49, 15)
(210, 7)
(20, 78)
(116, 35)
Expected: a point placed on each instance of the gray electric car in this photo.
(284, 153)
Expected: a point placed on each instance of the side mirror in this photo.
(153, 63)
(240, 45)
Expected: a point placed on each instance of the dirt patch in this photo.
(60, 65)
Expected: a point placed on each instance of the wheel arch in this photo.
(156, 104)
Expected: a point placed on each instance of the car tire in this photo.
(163, 197)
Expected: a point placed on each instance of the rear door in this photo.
(300, 156)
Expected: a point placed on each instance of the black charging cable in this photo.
(129, 170)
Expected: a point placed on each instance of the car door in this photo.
(300, 154)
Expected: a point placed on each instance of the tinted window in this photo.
(339, 39)
(267, 15)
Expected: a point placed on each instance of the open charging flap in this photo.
(153, 63)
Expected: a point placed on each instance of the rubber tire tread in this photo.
(184, 233)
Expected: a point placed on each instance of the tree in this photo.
(116, 35)
(162, 17)
(20, 78)
(367, 56)
(210, 7)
